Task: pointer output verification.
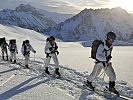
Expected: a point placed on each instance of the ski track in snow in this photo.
(70, 83)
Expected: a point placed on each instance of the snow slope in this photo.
(75, 66)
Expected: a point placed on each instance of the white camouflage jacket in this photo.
(27, 49)
(48, 46)
(13, 48)
(103, 51)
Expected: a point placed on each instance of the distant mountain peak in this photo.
(57, 17)
(25, 8)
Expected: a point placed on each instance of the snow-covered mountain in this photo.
(56, 17)
(29, 17)
(26, 16)
(90, 24)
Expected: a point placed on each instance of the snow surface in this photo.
(75, 66)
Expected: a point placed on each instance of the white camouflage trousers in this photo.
(4, 51)
(13, 55)
(97, 69)
(27, 57)
(55, 59)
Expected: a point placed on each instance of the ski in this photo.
(105, 92)
(8, 79)
(31, 69)
(49, 76)
(62, 77)
(120, 95)
(21, 69)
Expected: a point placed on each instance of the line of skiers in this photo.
(51, 51)
(101, 52)
(12, 48)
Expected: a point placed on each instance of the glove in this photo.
(34, 51)
(56, 47)
(47, 55)
(24, 54)
(108, 58)
(57, 52)
(50, 48)
(52, 51)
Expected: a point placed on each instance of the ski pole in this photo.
(34, 57)
(103, 71)
(44, 61)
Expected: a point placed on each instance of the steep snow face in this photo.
(91, 24)
(26, 16)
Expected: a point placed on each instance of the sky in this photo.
(69, 6)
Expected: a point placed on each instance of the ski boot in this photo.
(46, 71)
(89, 85)
(26, 66)
(14, 62)
(57, 72)
(112, 88)
(6, 58)
(3, 58)
(10, 60)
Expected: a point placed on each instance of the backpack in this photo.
(2, 40)
(47, 39)
(12, 41)
(12, 44)
(94, 47)
(13, 47)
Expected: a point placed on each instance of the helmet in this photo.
(111, 35)
(51, 38)
(26, 41)
(47, 39)
(23, 43)
(12, 41)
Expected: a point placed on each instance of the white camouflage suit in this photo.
(4, 49)
(101, 56)
(26, 52)
(13, 50)
(50, 54)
